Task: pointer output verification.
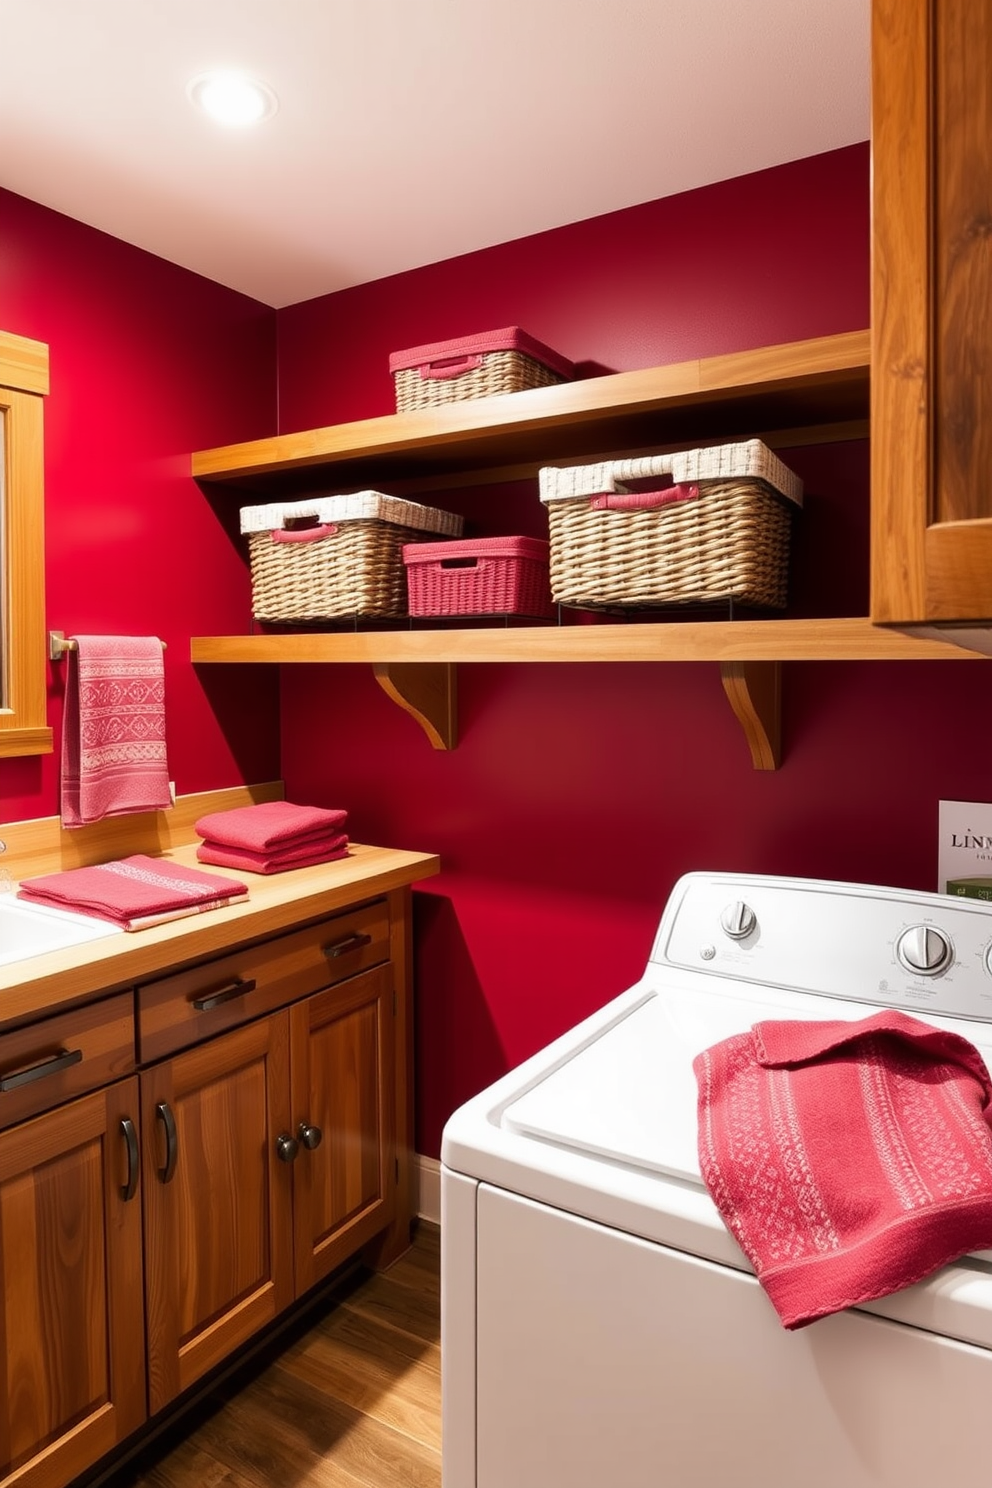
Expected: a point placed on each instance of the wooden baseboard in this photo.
(45, 846)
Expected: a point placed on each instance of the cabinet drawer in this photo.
(195, 1004)
(49, 1062)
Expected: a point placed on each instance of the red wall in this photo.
(148, 363)
(578, 794)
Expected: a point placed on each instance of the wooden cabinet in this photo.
(931, 353)
(182, 1161)
(269, 1151)
(73, 1347)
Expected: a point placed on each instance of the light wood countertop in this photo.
(44, 984)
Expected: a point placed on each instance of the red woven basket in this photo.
(484, 576)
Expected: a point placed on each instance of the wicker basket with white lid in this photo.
(715, 529)
(334, 557)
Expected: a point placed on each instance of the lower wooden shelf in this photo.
(417, 667)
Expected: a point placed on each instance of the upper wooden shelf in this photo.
(843, 639)
(774, 392)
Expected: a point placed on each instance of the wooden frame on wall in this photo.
(24, 727)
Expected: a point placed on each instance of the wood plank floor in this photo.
(354, 1401)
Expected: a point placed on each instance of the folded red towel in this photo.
(269, 826)
(847, 1159)
(134, 891)
(320, 850)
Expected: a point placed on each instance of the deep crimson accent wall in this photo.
(725, 268)
(578, 794)
(148, 362)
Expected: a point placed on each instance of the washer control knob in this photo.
(924, 950)
(738, 920)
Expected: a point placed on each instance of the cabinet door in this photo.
(72, 1346)
(931, 360)
(217, 1200)
(342, 1071)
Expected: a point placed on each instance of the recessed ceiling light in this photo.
(232, 99)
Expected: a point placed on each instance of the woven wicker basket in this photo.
(720, 532)
(503, 361)
(335, 557)
(480, 576)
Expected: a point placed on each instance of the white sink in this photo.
(33, 929)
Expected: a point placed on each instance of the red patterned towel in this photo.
(134, 892)
(847, 1159)
(270, 826)
(307, 855)
(113, 729)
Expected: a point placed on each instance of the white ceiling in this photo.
(408, 131)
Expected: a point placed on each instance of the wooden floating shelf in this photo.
(803, 385)
(844, 639)
(417, 668)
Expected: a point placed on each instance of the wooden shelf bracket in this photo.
(427, 691)
(754, 691)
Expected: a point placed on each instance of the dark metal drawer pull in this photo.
(226, 994)
(52, 1066)
(350, 943)
(164, 1114)
(131, 1138)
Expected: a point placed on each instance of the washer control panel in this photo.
(893, 947)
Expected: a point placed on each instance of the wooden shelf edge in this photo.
(844, 639)
(818, 361)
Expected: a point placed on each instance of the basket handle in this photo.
(303, 534)
(640, 467)
(642, 500)
(606, 476)
(450, 366)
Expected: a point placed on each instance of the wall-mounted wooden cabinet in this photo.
(800, 393)
(931, 311)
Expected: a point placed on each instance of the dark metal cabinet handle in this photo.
(131, 1138)
(287, 1148)
(349, 943)
(164, 1114)
(51, 1066)
(310, 1136)
(226, 994)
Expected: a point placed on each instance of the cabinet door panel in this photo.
(72, 1381)
(931, 388)
(342, 1068)
(218, 1202)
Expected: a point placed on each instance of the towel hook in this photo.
(58, 645)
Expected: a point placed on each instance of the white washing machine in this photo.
(601, 1328)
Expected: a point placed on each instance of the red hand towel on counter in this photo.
(134, 892)
(306, 855)
(269, 826)
(848, 1159)
(113, 730)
